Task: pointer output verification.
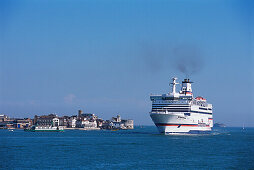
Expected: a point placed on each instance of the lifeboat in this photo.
(200, 98)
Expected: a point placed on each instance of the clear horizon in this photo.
(107, 57)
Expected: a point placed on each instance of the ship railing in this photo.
(155, 94)
(163, 112)
(173, 102)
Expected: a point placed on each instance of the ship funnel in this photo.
(186, 87)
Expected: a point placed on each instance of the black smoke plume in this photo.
(188, 59)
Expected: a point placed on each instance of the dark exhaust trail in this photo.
(188, 59)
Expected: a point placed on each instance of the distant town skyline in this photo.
(107, 57)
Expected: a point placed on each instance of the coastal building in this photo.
(6, 122)
(44, 120)
(99, 122)
(3, 118)
(22, 123)
(86, 120)
(51, 120)
(63, 121)
(9, 123)
(72, 121)
(6, 125)
(128, 124)
(55, 122)
(118, 123)
(82, 121)
(89, 124)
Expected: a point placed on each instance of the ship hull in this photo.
(44, 129)
(174, 123)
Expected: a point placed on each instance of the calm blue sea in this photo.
(141, 148)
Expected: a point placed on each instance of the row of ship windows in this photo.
(179, 107)
(176, 104)
(205, 108)
(168, 102)
(164, 110)
(167, 106)
(174, 110)
(170, 108)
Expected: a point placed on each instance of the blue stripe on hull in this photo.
(201, 112)
(191, 132)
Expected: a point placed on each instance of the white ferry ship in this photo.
(180, 112)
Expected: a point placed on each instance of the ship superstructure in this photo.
(180, 112)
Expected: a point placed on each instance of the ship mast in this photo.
(174, 83)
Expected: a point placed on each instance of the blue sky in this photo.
(106, 57)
